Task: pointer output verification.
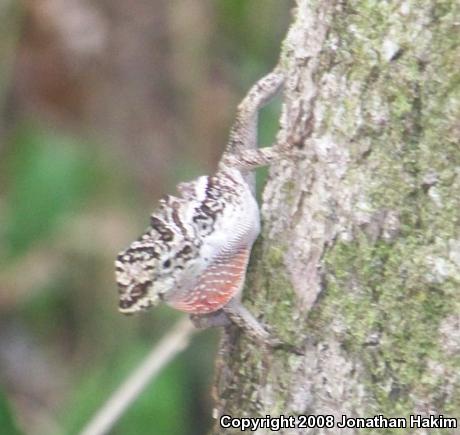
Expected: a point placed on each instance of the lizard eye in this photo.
(167, 264)
(203, 226)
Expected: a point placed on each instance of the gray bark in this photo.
(359, 258)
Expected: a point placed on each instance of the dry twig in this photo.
(173, 343)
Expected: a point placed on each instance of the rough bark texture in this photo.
(360, 252)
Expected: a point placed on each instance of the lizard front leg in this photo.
(212, 320)
(243, 318)
(236, 313)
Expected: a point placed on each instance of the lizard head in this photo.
(154, 263)
(136, 278)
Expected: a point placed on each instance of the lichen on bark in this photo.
(359, 258)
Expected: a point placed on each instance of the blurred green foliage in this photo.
(52, 178)
(7, 425)
(49, 175)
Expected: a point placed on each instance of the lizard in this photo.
(195, 252)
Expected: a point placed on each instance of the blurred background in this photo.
(104, 107)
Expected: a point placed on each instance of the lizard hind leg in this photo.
(241, 151)
(243, 134)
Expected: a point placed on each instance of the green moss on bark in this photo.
(388, 91)
(392, 317)
(388, 293)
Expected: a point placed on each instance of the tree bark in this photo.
(359, 257)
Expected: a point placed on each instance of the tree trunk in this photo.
(359, 257)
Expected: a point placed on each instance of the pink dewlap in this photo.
(218, 284)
